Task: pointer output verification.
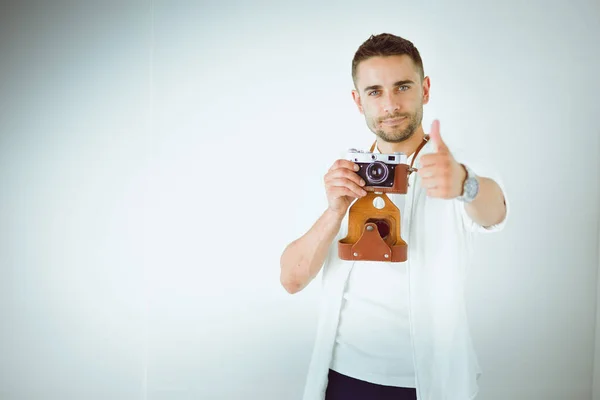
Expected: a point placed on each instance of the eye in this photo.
(403, 88)
(373, 92)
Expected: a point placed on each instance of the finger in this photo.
(347, 184)
(345, 173)
(427, 172)
(429, 183)
(436, 137)
(441, 160)
(340, 191)
(433, 159)
(439, 192)
(341, 163)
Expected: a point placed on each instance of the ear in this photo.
(426, 87)
(356, 98)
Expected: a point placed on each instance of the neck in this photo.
(407, 147)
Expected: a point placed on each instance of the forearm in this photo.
(489, 207)
(302, 259)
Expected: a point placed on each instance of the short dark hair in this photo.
(386, 44)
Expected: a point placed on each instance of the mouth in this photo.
(393, 121)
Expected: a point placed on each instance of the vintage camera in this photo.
(374, 232)
(381, 172)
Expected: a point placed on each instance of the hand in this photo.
(440, 173)
(343, 185)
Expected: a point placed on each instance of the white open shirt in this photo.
(440, 239)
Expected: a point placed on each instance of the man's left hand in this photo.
(440, 173)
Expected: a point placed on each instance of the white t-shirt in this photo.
(373, 341)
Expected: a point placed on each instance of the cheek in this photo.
(372, 116)
(417, 101)
(370, 110)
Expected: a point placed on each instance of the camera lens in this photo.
(377, 172)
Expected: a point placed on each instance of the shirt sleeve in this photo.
(484, 170)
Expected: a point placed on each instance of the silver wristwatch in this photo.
(470, 186)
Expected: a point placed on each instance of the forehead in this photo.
(386, 70)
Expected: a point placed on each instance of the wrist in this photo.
(463, 178)
(335, 214)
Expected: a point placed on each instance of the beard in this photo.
(397, 134)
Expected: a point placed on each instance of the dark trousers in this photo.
(342, 387)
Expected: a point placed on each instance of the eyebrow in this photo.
(399, 83)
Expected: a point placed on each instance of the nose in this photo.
(390, 104)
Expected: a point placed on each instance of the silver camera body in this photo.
(377, 169)
(359, 156)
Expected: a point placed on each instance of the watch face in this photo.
(471, 188)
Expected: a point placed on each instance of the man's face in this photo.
(390, 94)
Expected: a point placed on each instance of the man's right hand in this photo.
(343, 185)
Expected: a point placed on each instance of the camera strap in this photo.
(410, 169)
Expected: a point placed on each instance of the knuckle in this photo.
(347, 174)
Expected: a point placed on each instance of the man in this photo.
(397, 330)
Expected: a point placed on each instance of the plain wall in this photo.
(597, 352)
(74, 126)
(156, 158)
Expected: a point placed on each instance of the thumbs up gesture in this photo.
(440, 173)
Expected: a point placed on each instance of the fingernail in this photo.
(362, 182)
(356, 167)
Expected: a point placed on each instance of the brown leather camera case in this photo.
(364, 241)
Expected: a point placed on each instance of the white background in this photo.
(156, 158)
